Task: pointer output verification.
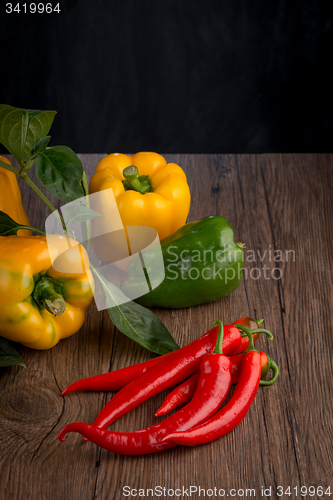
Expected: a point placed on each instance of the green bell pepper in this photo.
(202, 263)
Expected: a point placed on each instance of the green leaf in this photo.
(20, 129)
(135, 321)
(40, 145)
(25, 127)
(60, 171)
(39, 126)
(9, 227)
(78, 212)
(8, 355)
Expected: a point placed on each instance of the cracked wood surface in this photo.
(273, 202)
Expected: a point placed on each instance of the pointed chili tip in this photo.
(62, 434)
(163, 410)
(169, 437)
(64, 392)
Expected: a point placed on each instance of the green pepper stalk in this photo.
(47, 294)
(135, 182)
(271, 363)
(219, 340)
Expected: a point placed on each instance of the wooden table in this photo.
(273, 202)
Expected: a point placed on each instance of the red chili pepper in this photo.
(113, 381)
(116, 380)
(172, 370)
(182, 394)
(213, 387)
(235, 410)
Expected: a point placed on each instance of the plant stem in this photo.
(219, 340)
(19, 173)
(27, 179)
(33, 229)
(26, 167)
(275, 368)
(38, 191)
(8, 167)
(43, 197)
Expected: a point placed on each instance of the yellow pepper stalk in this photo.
(10, 198)
(41, 303)
(148, 192)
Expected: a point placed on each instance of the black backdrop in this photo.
(185, 76)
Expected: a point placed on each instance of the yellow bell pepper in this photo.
(148, 192)
(41, 303)
(10, 198)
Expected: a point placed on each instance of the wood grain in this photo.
(273, 202)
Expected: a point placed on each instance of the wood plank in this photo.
(273, 202)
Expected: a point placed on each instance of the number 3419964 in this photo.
(32, 8)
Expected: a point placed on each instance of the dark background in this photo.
(184, 76)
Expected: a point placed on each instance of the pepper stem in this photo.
(263, 330)
(259, 323)
(250, 332)
(47, 295)
(276, 371)
(219, 340)
(135, 182)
